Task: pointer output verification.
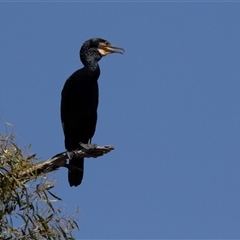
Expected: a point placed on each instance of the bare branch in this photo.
(60, 160)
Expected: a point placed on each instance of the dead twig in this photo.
(60, 160)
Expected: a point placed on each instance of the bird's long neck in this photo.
(90, 58)
(92, 66)
(93, 70)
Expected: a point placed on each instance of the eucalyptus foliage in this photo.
(28, 201)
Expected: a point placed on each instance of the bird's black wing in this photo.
(79, 104)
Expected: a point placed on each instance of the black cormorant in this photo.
(80, 101)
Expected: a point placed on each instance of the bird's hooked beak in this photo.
(106, 48)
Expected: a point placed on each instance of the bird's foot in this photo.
(71, 154)
(87, 146)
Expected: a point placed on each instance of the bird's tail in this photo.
(75, 173)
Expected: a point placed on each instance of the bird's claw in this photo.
(88, 146)
(71, 154)
(85, 147)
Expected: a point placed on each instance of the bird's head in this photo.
(96, 48)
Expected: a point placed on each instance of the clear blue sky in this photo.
(170, 105)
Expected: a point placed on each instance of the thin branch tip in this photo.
(60, 159)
